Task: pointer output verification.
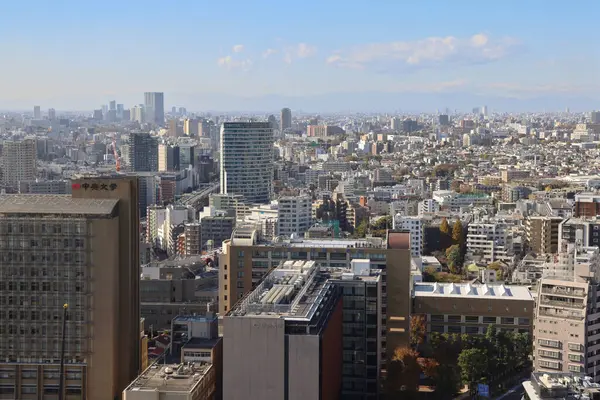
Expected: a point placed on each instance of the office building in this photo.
(396, 124)
(567, 322)
(416, 228)
(247, 160)
(443, 120)
(215, 229)
(286, 119)
(190, 127)
(19, 162)
(37, 112)
(45, 187)
(51, 114)
(292, 326)
(294, 215)
(137, 114)
(154, 106)
(471, 308)
(595, 117)
(97, 234)
(143, 152)
(246, 259)
(541, 234)
(168, 158)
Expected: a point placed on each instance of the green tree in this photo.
(457, 232)
(473, 365)
(361, 229)
(445, 227)
(454, 258)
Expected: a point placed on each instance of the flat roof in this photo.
(438, 289)
(54, 204)
(170, 377)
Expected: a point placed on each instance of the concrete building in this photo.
(509, 175)
(154, 106)
(488, 242)
(416, 227)
(587, 205)
(471, 308)
(97, 232)
(541, 234)
(168, 158)
(143, 152)
(291, 324)
(581, 231)
(286, 119)
(19, 162)
(246, 259)
(247, 160)
(294, 215)
(323, 131)
(565, 386)
(428, 206)
(44, 187)
(37, 112)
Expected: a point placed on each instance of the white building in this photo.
(428, 206)
(415, 226)
(454, 201)
(19, 159)
(489, 242)
(294, 215)
(247, 160)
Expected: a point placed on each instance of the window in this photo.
(437, 318)
(489, 320)
(549, 343)
(454, 329)
(507, 320)
(471, 318)
(575, 368)
(549, 364)
(549, 354)
(240, 274)
(473, 330)
(240, 285)
(437, 328)
(454, 318)
(576, 357)
(524, 321)
(575, 347)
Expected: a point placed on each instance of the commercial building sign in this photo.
(94, 186)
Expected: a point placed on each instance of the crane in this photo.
(117, 158)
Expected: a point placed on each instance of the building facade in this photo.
(19, 162)
(154, 107)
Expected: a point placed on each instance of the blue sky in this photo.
(80, 54)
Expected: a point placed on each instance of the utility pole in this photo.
(61, 384)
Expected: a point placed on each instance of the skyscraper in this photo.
(154, 104)
(112, 105)
(51, 114)
(37, 112)
(143, 152)
(286, 119)
(19, 161)
(81, 250)
(247, 160)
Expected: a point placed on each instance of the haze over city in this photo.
(317, 56)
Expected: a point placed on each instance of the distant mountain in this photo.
(381, 102)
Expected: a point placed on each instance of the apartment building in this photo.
(471, 308)
(81, 250)
(587, 205)
(509, 175)
(541, 234)
(19, 161)
(567, 325)
(489, 242)
(581, 231)
(416, 227)
(246, 258)
(294, 215)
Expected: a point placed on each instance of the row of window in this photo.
(478, 319)
(64, 243)
(20, 227)
(42, 286)
(39, 257)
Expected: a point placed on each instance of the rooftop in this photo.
(170, 377)
(438, 289)
(566, 386)
(54, 204)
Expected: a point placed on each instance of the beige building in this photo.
(541, 234)
(81, 250)
(471, 308)
(246, 259)
(19, 162)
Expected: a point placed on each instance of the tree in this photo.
(457, 231)
(361, 229)
(473, 365)
(445, 227)
(453, 256)
(403, 372)
(418, 330)
(429, 366)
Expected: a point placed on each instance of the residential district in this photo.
(150, 254)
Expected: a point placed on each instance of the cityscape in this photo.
(405, 210)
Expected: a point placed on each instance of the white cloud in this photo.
(268, 52)
(238, 48)
(422, 53)
(230, 63)
(298, 51)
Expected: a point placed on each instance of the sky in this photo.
(314, 55)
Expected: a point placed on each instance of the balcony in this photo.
(564, 291)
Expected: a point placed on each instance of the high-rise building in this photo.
(112, 105)
(143, 152)
(120, 110)
(444, 120)
(595, 117)
(190, 127)
(294, 215)
(286, 119)
(37, 112)
(586, 205)
(51, 114)
(541, 234)
(247, 160)
(396, 124)
(95, 271)
(168, 157)
(98, 115)
(137, 114)
(20, 161)
(154, 104)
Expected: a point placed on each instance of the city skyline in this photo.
(363, 57)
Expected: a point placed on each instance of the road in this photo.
(197, 196)
(515, 393)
